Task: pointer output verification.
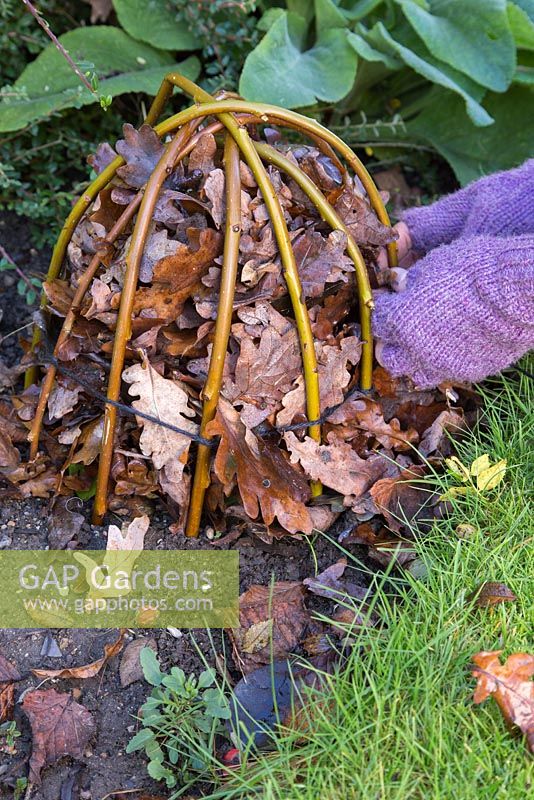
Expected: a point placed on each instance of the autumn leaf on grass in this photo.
(8, 675)
(88, 670)
(166, 400)
(273, 620)
(177, 277)
(60, 727)
(491, 593)
(366, 415)
(336, 465)
(265, 478)
(511, 686)
(481, 476)
(402, 498)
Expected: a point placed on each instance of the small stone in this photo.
(11, 523)
(5, 541)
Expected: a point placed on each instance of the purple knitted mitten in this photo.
(467, 312)
(498, 205)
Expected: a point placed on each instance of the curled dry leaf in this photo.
(60, 727)
(491, 593)
(8, 675)
(64, 522)
(273, 621)
(435, 437)
(131, 537)
(88, 670)
(265, 479)
(321, 261)
(511, 686)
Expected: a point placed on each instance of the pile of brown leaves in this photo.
(368, 460)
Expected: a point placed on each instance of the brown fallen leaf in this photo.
(265, 372)
(7, 701)
(176, 277)
(141, 149)
(265, 479)
(60, 727)
(335, 585)
(402, 499)
(321, 261)
(334, 377)
(366, 415)
(130, 669)
(8, 675)
(361, 221)
(87, 670)
(435, 437)
(511, 686)
(166, 400)
(273, 620)
(336, 465)
(491, 593)
(64, 522)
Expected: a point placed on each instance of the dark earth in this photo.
(106, 771)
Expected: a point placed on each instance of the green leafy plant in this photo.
(27, 287)
(181, 720)
(415, 57)
(9, 733)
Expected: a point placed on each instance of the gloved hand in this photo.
(465, 310)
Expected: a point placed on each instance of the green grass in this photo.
(402, 723)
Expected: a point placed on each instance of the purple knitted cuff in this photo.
(497, 205)
(467, 312)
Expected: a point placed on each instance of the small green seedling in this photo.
(180, 722)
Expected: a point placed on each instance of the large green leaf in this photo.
(122, 64)
(522, 26)
(474, 152)
(279, 70)
(415, 55)
(154, 21)
(472, 36)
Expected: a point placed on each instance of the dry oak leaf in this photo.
(131, 537)
(130, 669)
(166, 400)
(435, 437)
(60, 727)
(336, 465)
(8, 672)
(321, 261)
(273, 621)
(367, 415)
(511, 686)
(141, 149)
(361, 221)
(265, 372)
(88, 670)
(177, 277)
(334, 584)
(334, 376)
(401, 498)
(265, 479)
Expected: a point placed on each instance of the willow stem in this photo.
(223, 325)
(83, 286)
(124, 318)
(240, 134)
(327, 213)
